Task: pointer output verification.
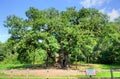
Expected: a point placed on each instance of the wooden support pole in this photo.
(111, 73)
(27, 74)
(76, 61)
(11, 74)
(90, 76)
(47, 74)
(68, 73)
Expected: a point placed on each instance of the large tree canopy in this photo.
(84, 34)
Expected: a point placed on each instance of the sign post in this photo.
(90, 72)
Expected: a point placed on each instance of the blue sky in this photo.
(18, 7)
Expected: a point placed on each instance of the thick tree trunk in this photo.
(50, 56)
(63, 60)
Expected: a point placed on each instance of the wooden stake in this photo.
(47, 76)
(11, 74)
(111, 73)
(27, 75)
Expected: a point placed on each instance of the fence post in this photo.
(27, 75)
(47, 76)
(11, 74)
(90, 76)
(1, 73)
(111, 73)
(68, 73)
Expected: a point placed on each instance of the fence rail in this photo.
(27, 74)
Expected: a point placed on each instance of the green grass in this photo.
(101, 75)
(2, 74)
(80, 66)
(104, 66)
(16, 66)
(107, 74)
(96, 66)
(98, 75)
(9, 66)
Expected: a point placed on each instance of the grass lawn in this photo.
(95, 66)
(103, 66)
(98, 75)
(80, 66)
(15, 66)
(101, 75)
(107, 74)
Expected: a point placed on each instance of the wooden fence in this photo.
(14, 75)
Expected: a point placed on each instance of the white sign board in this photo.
(90, 71)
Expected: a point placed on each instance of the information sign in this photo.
(90, 71)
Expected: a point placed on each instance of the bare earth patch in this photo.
(43, 72)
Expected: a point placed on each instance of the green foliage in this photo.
(109, 45)
(2, 51)
(40, 56)
(84, 35)
(11, 59)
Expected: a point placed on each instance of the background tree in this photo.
(73, 35)
(2, 51)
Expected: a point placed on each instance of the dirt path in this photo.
(44, 72)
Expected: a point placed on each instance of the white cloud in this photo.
(90, 3)
(114, 14)
(102, 10)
